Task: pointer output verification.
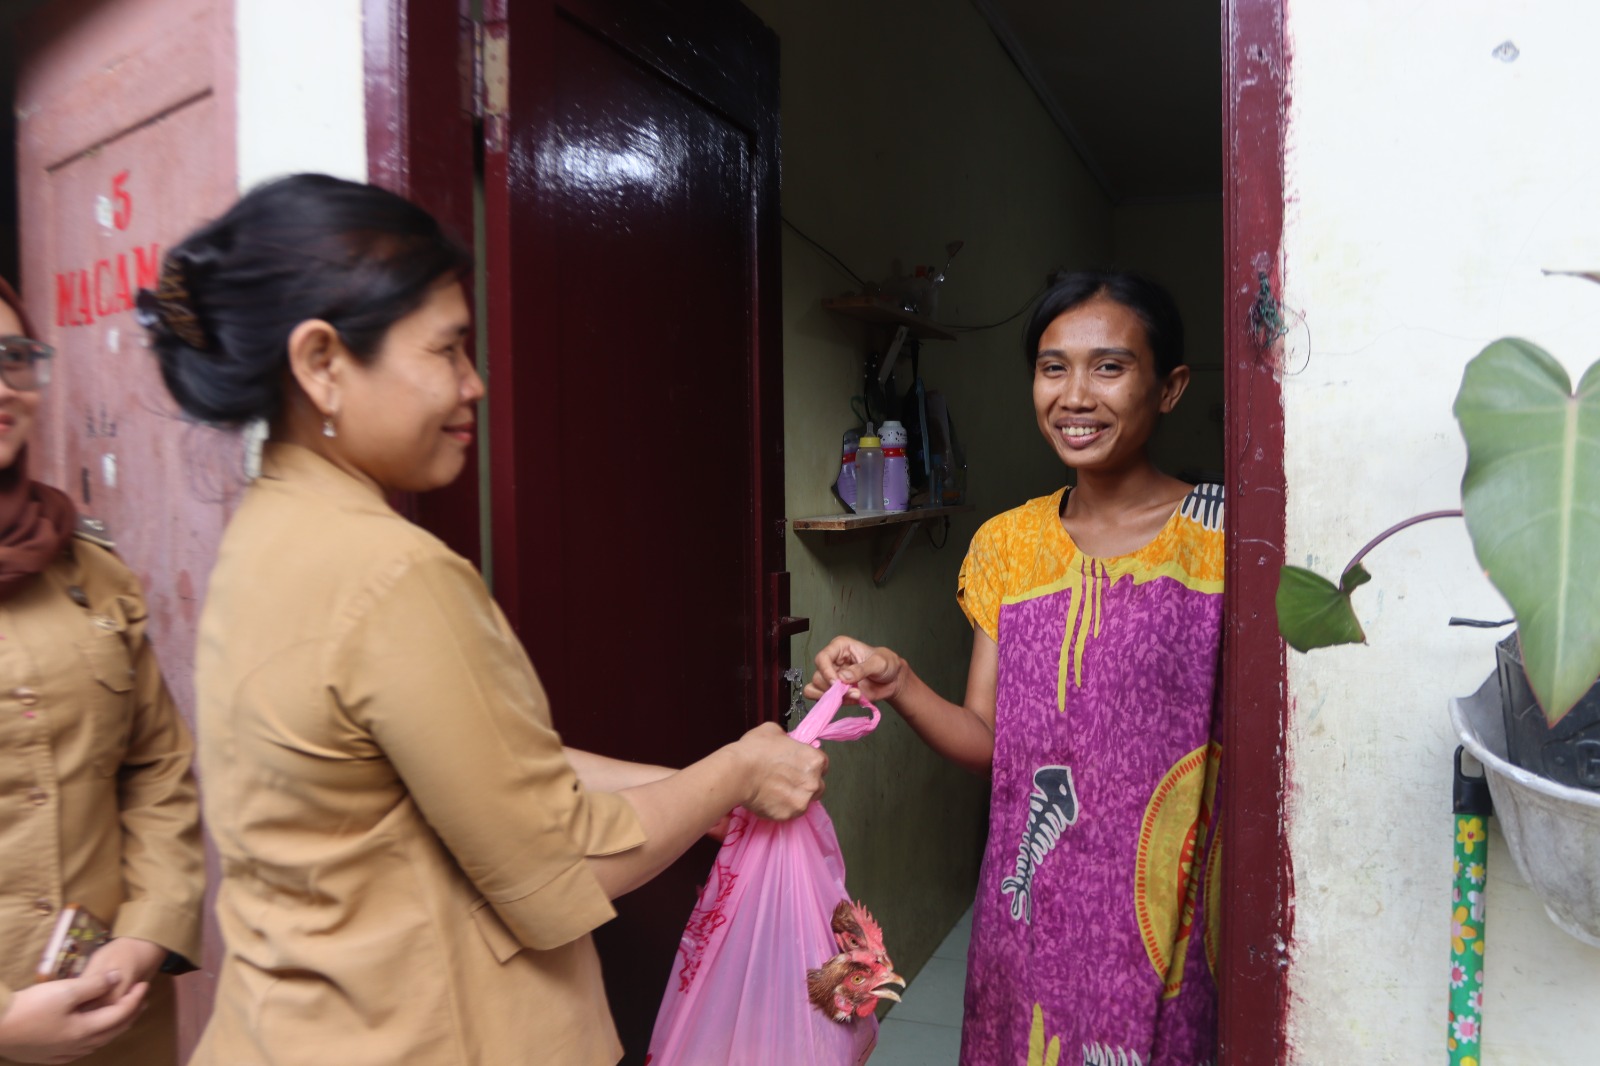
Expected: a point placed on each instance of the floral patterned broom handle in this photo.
(1472, 809)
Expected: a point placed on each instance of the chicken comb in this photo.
(856, 930)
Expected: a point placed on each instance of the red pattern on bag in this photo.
(706, 920)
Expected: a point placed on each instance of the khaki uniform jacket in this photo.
(97, 794)
(403, 842)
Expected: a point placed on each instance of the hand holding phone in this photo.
(78, 934)
(58, 1021)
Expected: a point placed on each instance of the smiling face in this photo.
(406, 419)
(1097, 395)
(18, 407)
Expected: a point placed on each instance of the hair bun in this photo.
(169, 308)
(229, 296)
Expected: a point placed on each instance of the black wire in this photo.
(842, 265)
(818, 246)
(929, 531)
(995, 325)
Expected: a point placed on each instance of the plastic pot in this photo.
(1568, 752)
(1552, 830)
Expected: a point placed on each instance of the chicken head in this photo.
(851, 984)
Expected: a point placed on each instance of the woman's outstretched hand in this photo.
(785, 775)
(764, 771)
(872, 673)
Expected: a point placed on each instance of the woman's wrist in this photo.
(737, 764)
(906, 683)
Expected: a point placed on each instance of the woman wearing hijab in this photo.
(97, 799)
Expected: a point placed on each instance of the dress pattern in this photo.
(1094, 935)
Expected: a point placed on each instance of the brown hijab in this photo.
(35, 520)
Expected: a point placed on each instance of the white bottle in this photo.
(869, 475)
(896, 474)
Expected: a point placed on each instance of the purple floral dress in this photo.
(1094, 932)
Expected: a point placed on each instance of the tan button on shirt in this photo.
(403, 843)
(97, 799)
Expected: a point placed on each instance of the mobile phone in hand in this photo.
(77, 935)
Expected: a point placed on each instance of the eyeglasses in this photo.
(25, 363)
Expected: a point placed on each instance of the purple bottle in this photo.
(896, 474)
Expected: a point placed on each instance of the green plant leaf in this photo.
(1531, 494)
(1313, 612)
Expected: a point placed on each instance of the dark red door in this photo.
(634, 393)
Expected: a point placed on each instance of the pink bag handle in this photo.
(819, 724)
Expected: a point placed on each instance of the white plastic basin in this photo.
(1552, 831)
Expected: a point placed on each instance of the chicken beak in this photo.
(888, 993)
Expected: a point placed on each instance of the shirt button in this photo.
(77, 595)
(43, 906)
(38, 797)
(25, 696)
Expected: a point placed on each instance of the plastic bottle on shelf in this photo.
(896, 474)
(845, 486)
(869, 474)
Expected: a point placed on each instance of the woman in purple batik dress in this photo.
(1091, 699)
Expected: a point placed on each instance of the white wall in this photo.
(1429, 184)
(302, 96)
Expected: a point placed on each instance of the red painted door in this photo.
(125, 141)
(634, 393)
(1258, 883)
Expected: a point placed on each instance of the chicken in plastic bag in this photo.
(776, 966)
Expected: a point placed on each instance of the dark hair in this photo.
(9, 297)
(1163, 326)
(297, 248)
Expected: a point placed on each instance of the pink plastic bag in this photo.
(737, 994)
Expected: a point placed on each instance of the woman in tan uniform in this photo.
(412, 862)
(99, 802)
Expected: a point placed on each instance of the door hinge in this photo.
(491, 81)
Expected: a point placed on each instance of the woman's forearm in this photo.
(961, 732)
(955, 731)
(764, 771)
(675, 811)
(599, 773)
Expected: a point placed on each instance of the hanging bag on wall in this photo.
(738, 991)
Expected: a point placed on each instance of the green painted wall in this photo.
(905, 126)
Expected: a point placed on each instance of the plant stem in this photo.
(1392, 530)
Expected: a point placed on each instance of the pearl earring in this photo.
(327, 428)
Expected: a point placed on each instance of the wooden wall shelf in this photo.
(871, 309)
(839, 522)
(904, 524)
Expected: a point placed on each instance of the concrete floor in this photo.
(925, 1028)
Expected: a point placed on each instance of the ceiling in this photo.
(1135, 85)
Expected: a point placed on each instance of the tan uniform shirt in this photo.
(97, 798)
(403, 842)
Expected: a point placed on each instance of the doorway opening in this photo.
(10, 249)
(1042, 136)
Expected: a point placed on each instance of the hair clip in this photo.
(169, 307)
